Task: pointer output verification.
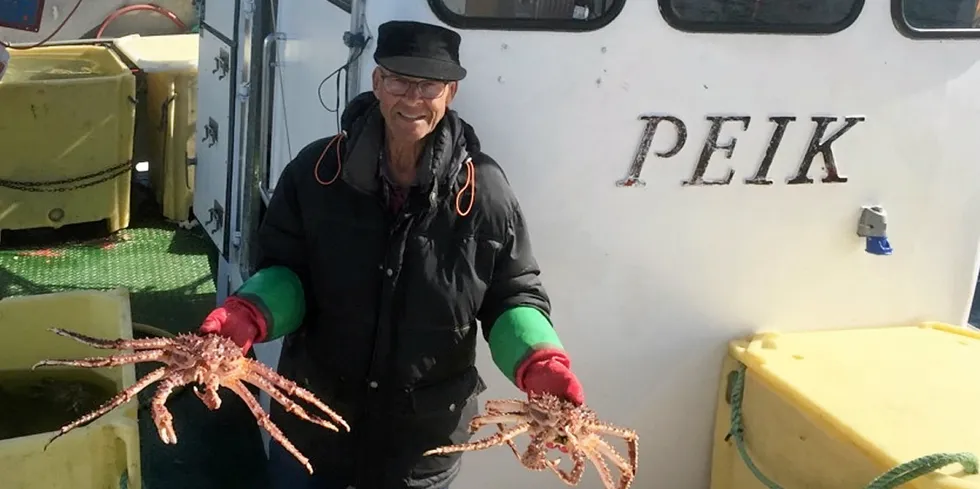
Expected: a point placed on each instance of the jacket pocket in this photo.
(447, 396)
(440, 416)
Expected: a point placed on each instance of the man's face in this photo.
(412, 107)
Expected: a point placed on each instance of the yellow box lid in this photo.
(897, 393)
(161, 53)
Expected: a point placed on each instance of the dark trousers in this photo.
(285, 472)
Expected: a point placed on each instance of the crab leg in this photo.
(574, 476)
(628, 472)
(603, 447)
(581, 448)
(481, 421)
(287, 403)
(604, 473)
(506, 406)
(510, 443)
(630, 436)
(492, 440)
(120, 344)
(265, 422)
(209, 395)
(162, 417)
(534, 457)
(117, 400)
(109, 361)
(292, 389)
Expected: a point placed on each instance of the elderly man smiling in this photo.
(382, 248)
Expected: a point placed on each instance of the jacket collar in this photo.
(445, 151)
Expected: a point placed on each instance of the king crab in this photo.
(551, 421)
(210, 361)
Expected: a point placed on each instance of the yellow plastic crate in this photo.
(66, 138)
(837, 409)
(169, 64)
(105, 453)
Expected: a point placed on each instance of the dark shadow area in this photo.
(975, 310)
(215, 449)
(144, 214)
(173, 313)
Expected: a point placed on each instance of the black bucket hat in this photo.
(419, 50)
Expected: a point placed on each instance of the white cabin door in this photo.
(217, 111)
(693, 171)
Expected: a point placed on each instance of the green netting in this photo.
(168, 271)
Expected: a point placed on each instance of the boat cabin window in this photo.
(343, 4)
(761, 16)
(558, 15)
(915, 18)
(938, 14)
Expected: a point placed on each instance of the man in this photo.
(381, 249)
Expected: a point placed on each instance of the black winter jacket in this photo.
(389, 337)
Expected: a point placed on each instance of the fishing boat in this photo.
(757, 220)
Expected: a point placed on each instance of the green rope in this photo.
(922, 466)
(889, 480)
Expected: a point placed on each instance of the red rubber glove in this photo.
(549, 371)
(238, 320)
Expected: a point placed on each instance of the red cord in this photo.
(316, 169)
(134, 8)
(469, 184)
(53, 33)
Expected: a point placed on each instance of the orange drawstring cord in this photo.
(316, 169)
(470, 182)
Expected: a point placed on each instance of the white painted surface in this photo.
(314, 48)
(154, 54)
(210, 178)
(215, 86)
(649, 284)
(220, 16)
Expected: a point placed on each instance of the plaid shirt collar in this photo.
(393, 194)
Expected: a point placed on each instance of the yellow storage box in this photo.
(102, 455)
(838, 409)
(169, 64)
(66, 138)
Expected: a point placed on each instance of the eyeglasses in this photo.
(398, 86)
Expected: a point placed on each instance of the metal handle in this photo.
(265, 109)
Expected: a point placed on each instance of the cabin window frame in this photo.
(458, 21)
(344, 5)
(917, 33)
(701, 27)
